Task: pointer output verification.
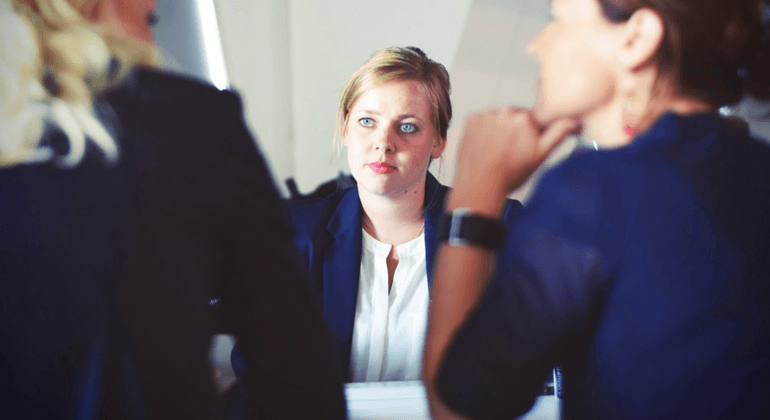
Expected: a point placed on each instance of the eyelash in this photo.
(401, 126)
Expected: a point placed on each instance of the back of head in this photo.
(400, 63)
(54, 60)
(715, 50)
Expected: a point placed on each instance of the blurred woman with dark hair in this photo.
(641, 268)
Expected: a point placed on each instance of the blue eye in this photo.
(366, 122)
(408, 128)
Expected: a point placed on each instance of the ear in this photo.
(643, 36)
(438, 148)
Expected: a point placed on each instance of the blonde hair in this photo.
(52, 63)
(399, 63)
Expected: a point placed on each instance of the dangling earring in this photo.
(630, 107)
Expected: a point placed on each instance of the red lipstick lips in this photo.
(381, 167)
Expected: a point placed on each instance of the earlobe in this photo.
(645, 32)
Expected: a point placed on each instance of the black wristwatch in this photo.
(461, 227)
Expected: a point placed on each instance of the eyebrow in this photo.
(400, 117)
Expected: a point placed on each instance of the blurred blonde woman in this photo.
(129, 200)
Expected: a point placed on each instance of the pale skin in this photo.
(392, 123)
(500, 149)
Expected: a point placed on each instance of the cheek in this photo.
(133, 17)
(354, 152)
(420, 156)
(578, 78)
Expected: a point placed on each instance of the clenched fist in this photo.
(501, 148)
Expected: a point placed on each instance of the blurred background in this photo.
(289, 60)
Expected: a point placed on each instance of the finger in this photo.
(555, 133)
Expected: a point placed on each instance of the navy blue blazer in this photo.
(329, 240)
(106, 272)
(641, 271)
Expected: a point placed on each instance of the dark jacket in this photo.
(108, 271)
(329, 240)
(644, 272)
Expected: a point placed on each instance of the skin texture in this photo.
(574, 52)
(588, 69)
(131, 17)
(391, 123)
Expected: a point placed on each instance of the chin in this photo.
(542, 115)
(376, 187)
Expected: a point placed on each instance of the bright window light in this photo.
(212, 43)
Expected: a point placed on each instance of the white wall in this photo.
(491, 69)
(331, 39)
(255, 42)
(289, 59)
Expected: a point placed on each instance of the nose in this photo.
(534, 45)
(386, 140)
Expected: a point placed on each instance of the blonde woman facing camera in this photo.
(369, 249)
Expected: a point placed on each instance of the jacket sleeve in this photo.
(292, 368)
(545, 290)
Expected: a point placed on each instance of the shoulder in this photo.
(310, 215)
(575, 197)
(173, 97)
(512, 209)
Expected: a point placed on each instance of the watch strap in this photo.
(461, 227)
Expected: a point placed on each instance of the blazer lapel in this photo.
(435, 194)
(341, 269)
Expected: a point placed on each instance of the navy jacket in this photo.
(644, 272)
(107, 271)
(329, 240)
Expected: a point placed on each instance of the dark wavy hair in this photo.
(716, 50)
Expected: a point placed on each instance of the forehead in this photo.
(404, 96)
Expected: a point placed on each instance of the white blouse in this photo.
(389, 328)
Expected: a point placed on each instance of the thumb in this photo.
(555, 133)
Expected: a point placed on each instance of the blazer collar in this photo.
(435, 195)
(342, 259)
(341, 270)
(348, 213)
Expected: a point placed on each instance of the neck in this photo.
(394, 219)
(606, 126)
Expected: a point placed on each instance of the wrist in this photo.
(462, 227)
(483, 200)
